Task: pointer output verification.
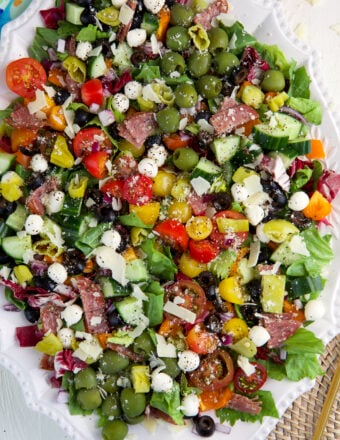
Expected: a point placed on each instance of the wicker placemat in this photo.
(299, 420)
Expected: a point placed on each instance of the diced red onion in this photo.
(295, 114)
(10, 308)
(106, 117)
(226, 339)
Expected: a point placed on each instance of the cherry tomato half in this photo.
(137, 189)
(24, 76)
(177, 140)
(174, 233)
(224, 241)
(201, 341)
(249, 384)
(216, 371)
(95, 164)
(89, 140)
(203, 251)
(113, 187)
(192, 294)
(92, 92)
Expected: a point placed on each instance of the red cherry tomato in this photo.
(224, 241)
(216, 371)
(203, 251)
(192, 294)
(249, 384)
(95, 164)
(201, 341)
(174, 233)
(177, 140)
(92, 92)
(24, 76)
(113, 187)
(137, 189)
(90, 139)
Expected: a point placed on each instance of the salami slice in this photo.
(34, 200)
(280, 326)
(206, 17)
(245, 404)
(137, 128)
(22, 118)
(226, 121)
(50, 315)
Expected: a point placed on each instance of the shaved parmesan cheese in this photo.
(180, 312)
(253, 184)
(245, 365)
(108, 258)
(165, 349)
(38, 104)
(298, 246)
(254, 253)
(125, 14)
(200, 185)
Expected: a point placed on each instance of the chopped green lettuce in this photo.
(309, 108)
(169, 403)
(159, 263)
(299, 82)
(274, 57)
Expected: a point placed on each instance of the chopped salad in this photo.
(161, 198)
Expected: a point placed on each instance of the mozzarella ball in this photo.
(148, 167)
(239, 192)
(259, 335)
(118, 3)
(83, 50)
(111, 238)
(255, 214)
(133, 89)
(66, 335)
(54, 201)
(136, 37)
(158, 153)
(57, 272)
(34, 224)
(188, 360)
(190, 405)
(154, 6)
(72, 314)
(39, 163)
(298, 201)
(314, 309)
(121, 102)
(161, 382)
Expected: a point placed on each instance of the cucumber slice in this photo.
(111, 288)
(96, 66)
(17, 219)
(73, 13)
(136, 271)
(298, 147)
(206, 169)
(6, 161)
(130, 310)
(276, 136)
(15, 246)
(225, 148)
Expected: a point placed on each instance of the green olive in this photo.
(144, 345)
(111, 406)
(199, 63)
(115, 430)
(273, 81)
(209, 86)
(133, 404)
(168, 119)
(86, 378)
(171, 367)
(89, 399)
(177, 38)
(185, 158)
(218, 40)
(112, 362)
(109, 384)
(172, 62)
(181, 15)
(134, 420)
(185, 95)
(224, 61)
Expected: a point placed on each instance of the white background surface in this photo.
(316, 23)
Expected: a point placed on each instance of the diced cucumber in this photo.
(298, 147)
(276, 136)
(6, 161)
(73, 13)
(206, 169)
(15, 246)
(96, 66)
(130, 310)
(122, 56)
(284, 254)
(17, 219)
(111, 288)
(273, 292)
(136, 271)
(150, 23)
(4, 229)
(225, 148)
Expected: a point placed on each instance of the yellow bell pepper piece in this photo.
(231, 290)
(61, 155)
(277, 101)
(78, 187)
(148, 213)
(9, 191)
(226, 225)
(22, 274)
(49, 344)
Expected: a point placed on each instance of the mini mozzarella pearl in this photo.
(298, 201)
(121, 102)
(188, 361)
(57, 272)
(255, 214)
(148, 167)
(158, 153)
(259, 335)
(111, 239)
(154, 6)
(66, 335)
(34, 224)
(83, 50)
(161, 382)
(133, 89)
(118, 3)
(190, 405)
(136, 37)
(39, 163)
(314, 309)
(55, 201)
(239, 192)
(72, 314)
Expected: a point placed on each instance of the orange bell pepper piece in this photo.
(317, 150)
(318, 207)
(164, 20)
(215, 399)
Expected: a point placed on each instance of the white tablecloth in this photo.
(317, 23)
